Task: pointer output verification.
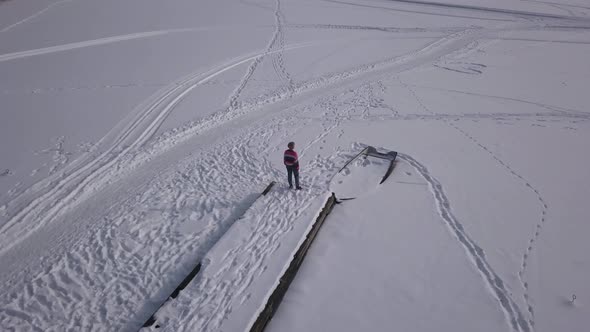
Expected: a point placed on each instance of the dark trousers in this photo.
(292, 170)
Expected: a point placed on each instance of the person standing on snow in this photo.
(292, 163)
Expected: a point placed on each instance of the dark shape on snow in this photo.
(186, 281)
(279, 292)
(150, 321)
(363, 152)
(341, 200)
(370, 151)
(391, 155)
(268, 188)
(192, 274)
(174, 294)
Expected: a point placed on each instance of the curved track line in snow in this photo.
(373, 28)
(64, 192)
(473, 117)
(278, 59)
(92, 178)
(563, 6)
(34, 15)
(97, 174)
(246, 262)
(432, 13)
(256, 5)
(222, 288)
(549, 41)
(241, 265)
(518, 13)
(559, 109)
(475, 253)
(559, 4)
(433, 50)
(63, 89)
(538, 226)
(526, 183)
(384, 68)
(277, 34)
(201, 191)
(87, 43)
(205, 190)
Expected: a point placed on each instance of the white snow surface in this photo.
(136, 137)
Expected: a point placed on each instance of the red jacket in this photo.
(291, 159)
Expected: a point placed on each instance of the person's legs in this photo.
(296, 173)
(290, 176)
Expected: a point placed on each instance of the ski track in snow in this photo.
(475, 253)
(110, 252)
(373, 28)
(271, 218)
(89, 43)
(27, 230)
(271, 225)
(433, 50)
(566, 112)
(463, 68)
(116, 222)
(257, 5)
(471, 8)
(57, 3)
(242, 265)
(422, 12)
(278, 59)
(200, 190)
(55, 89)
(538, 226)
(215, 299)
(564, 7)
(518, 321)
(140, 85)
(542, 202)
(513, 117)
(60, 193)
(278, 36)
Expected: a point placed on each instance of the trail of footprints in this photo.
(538, 226)
(474, 251)
(542, 202)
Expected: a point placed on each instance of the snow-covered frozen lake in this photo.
(136, 137)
